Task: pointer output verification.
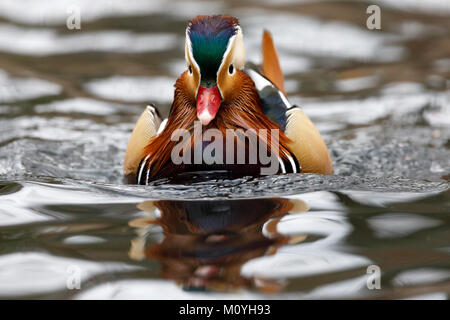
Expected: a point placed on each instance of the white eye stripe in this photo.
(236, 44)
(227, 51)
(189, 56)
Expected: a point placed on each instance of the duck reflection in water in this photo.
(207, 242)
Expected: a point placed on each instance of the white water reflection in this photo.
(18, 88)
(394, 225)
(83, 240)
(40, 41)
(144, 289)
(85, 106)
(439, 117)
(308, 258)
(421, 276)
(394, 102)
(58, 129)
(38, 273)
(302, 263)
(134, 89)
(330, 226)
(319, 37)
(440, 7)
(355, 84)
(12, 212)
(54, 12)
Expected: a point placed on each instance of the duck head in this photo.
(214, 52)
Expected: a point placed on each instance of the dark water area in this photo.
(70, 98)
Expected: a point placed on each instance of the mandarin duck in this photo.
(217, 92)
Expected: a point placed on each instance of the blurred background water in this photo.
(69, 100)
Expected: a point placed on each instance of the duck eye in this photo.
(190, 69)
(231, 69)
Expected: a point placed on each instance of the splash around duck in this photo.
(225, 116)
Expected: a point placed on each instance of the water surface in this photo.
(69, 100)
